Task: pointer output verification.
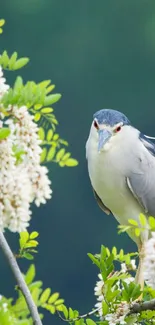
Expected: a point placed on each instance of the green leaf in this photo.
(37, 117)
(66, 156)
(107, 251)
(105, 308)
(30, 275)
(71, 162)
(35, 295)
(50, 88)
(31, 243)
(12, 60)
(49, 135)
(137, 232)
(61, 164)
(2, 22)
(103, 252)
(51, 99)
(24, 236)
(51, 308)
(53, 298)
(45, 295)
(94, 260)
(37, 107)
(90, 322)
(41, 133)
(43, 155)
(43, 84)
(121, 254)
(35, 284)
(123, 228)
(71, 313)
(142, 219)
(111, 295)
(4, 133)
(20, 63)
(65, 311)
(4, 59)
(59, 302)
(152, 223)
(133, 222)
(46, 110)
(34, 235)
(60, 154)
(51, 153)
(55, 137)
(28, 256)
(18, 83)
(114, 251)
(59, 307)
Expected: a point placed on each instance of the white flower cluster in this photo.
(118, 316)
(98, 291)
(25, 180)
(125, 267)
(149, 262)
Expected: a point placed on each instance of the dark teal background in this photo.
(99, 54)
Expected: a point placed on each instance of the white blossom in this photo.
(3, 86)
(123, 267)
(129, 280)
(99, 286)
(133, 264)
(149, 262)
(118, 317)
(25, 181)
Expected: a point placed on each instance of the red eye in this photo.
(96, 125)
(118, 129)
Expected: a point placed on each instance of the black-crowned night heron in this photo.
(121, 165)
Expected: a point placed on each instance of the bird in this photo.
(121, 168)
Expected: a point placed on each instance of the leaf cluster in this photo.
(27, 244)
(111, 290)
(18, 312)
(137, 227)
(12, 63)
(52, 151)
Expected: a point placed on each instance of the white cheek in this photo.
(107, 146)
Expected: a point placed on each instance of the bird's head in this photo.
(108, 123)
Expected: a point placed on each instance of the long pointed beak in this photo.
(104, 136)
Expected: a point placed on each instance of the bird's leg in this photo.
(139, 278)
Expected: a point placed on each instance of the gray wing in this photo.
(100, 203)
(142, 184)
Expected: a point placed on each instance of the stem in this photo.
(20, 279)
(138, 307)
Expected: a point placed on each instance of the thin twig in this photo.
(79, 316)
(20, 279)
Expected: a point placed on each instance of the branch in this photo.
(20, 279)
(138, 307)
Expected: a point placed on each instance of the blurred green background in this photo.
(100, 54)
